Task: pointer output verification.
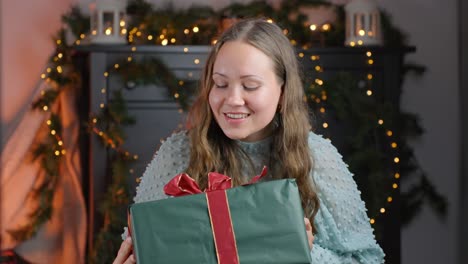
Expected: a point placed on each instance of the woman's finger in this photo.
(310, 235)
(124, 251)
(130, 260)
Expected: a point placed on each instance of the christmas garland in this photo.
(177, 27)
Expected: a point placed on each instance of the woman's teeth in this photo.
(237, 116)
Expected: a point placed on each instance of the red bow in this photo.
(182, 184)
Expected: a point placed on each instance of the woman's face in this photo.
(246, 92)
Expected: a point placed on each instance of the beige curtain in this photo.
(62, 239)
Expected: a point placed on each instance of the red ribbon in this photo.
(218, 208)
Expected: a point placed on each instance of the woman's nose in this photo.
(235, 96)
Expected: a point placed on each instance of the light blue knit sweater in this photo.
(344, 234)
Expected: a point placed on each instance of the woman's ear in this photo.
(280, 103)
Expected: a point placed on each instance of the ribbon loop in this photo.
(182, 184)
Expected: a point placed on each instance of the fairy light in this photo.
(370, 76)
(397, 175)
(372, 221)
(382, 210)
(53, 132)
(395, 186)
(150, 37)
(116, 66)
(360, 42)
(394, 145)
(380, 122)
(106, 74)
(49, 122)
(313, 27)
(103, 90)
(370, 61)
(389, 199)
(195, 29)
(173, 40)
(45, 108)
(60, 55)
(326, 27)
(270, 20)
(60, 142)
(396, 160)
(196, 61)
(186, 31)
(352, 43)
(185, 50)
(43, 76)
(325, 125)
(362, 32)
(164, 42)
(301, 55)
(369, 92)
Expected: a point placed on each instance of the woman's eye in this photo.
(250, 86)
(220, 85)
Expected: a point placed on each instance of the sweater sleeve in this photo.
(171, 159)
(344, 233)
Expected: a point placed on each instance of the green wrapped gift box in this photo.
(267, 219)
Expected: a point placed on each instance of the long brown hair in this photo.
(211, 150)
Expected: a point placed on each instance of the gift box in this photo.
(256, 223)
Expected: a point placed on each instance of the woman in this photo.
(249, 113)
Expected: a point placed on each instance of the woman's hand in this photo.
(310, 235)
(125, 256)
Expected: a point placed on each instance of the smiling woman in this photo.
(250, 113)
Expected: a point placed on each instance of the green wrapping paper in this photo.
(267, 218)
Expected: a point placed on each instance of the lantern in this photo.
(362, 23)
(108, 25)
